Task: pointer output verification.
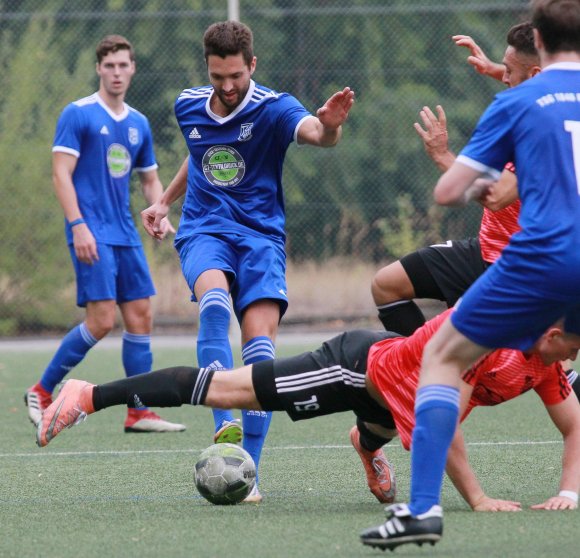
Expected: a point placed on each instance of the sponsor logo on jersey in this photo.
(133, 136)
(194, 134)
(245, 132)
(118, 160)
(223, 166)
(105, 131)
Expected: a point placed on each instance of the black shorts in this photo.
(328, 380)
(445, 271)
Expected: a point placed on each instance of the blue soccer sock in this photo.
(436, 413)
(213, 342)
(136, 354)
(256, 423)
(72, 350)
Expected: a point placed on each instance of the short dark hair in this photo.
(521, 38)
(113, 43)
(226, 38)
(558, 22)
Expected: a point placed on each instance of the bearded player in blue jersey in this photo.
(99, 141)
(231, 236)
(536, 280)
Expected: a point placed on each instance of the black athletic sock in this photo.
(403, 317)
(369, 440)
(170, 387)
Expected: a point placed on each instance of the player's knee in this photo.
(101, 325)
(385, 287)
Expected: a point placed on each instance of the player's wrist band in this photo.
(78, 221)
(569, 494)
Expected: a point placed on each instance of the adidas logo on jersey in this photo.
(105, 131)
(194, 134)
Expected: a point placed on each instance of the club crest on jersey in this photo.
(133, 136)
(223, 166)
(245, 132)
(118, 160)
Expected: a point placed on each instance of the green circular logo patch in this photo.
(118, 160)
(223, 166)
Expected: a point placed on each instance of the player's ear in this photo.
(554, 332)
(535, 71)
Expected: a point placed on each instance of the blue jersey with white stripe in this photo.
(537, 126)
(234, 182)
(108, 147)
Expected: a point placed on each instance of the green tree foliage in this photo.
(35, 88)
(368, 198)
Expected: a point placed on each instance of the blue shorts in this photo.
(255, 266)
(508, 307)
(120, 274)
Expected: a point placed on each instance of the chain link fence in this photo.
(351, 209)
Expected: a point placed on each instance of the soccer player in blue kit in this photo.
(99, 141)
(536, 280)
(231, 235)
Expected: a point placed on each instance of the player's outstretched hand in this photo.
(556, 503)
(155, 221)
(435, 137)
(478, 58)
(487, 504)
(335, 111)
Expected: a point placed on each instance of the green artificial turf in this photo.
(98, 492)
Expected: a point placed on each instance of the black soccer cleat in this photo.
(402, 528)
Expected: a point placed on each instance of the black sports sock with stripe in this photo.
(169, 387)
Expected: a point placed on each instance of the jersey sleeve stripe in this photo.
(63, 149)
(298, 127)
(147, 169)
(480, 167)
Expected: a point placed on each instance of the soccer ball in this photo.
(224, 474)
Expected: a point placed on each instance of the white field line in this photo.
(277, 448)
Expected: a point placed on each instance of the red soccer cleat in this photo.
(37, 399)
(144, 420)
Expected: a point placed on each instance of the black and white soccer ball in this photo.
(225, 474)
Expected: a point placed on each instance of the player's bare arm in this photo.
(63, 167)
(152, 190)
(435, 137)
(478, 59)
(325, 129)
(458, 186)
(153, 215)
(462, 475)
(502, 193)
(566, 417)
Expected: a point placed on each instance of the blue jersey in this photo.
(108, 147)
(537, 126)
(234, 181)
